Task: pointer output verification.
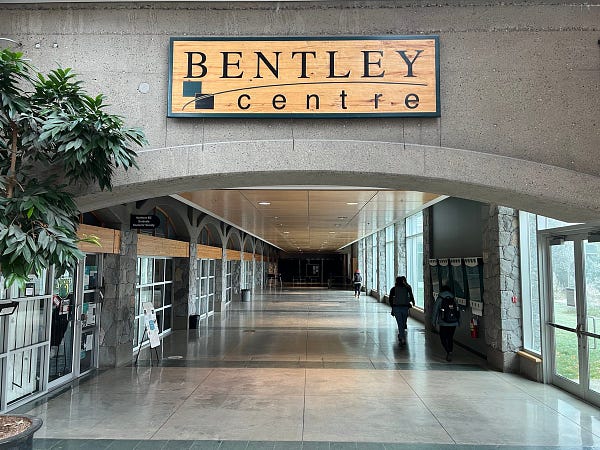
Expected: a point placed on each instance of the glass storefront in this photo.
(52, 337)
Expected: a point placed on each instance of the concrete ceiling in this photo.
(309, 220)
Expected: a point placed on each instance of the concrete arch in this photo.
(248, 244)
(214, 226)
(233, 239)
(518, 183)
(175, 213)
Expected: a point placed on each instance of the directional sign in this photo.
(147, 222)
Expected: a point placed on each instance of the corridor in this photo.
(310, 369)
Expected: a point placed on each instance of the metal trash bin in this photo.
(194, 319)
(245, 295)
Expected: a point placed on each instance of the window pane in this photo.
(167, 319)
(168, 270)
(159, 270)
(168, 294)
(158, 296)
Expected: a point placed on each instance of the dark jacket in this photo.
(401, 296)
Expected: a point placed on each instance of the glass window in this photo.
(529, 280)
(159, 270)
(168, 270)
(155, 285)
(390, 270)
(414, 256)
(375, 262)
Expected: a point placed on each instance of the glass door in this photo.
(88, 314)
(74, 322)
(591, 328)
(62, 329)
(573, 308)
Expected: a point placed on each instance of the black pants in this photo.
(357, 288)
(447, 337)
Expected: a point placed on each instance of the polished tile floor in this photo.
(315, 370)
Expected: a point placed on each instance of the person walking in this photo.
(446, 315)
(357, 282)
(401, 299)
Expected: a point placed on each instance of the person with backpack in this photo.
(401, 300)
(357, 282)
(447, 315)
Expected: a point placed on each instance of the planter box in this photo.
(24, 439)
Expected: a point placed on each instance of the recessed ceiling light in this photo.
(275, 217)
(351, 203)
(332, 232)
(286, 232)
(342, 217)
(264, 203)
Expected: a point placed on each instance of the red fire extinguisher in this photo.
(474, 328)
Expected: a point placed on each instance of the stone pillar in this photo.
(236, 278)
(181, 291)
(360, 257)
(193, 304)
(117, 320)
(501, 281)
(220, 281)
(399, 249)
(427, 254)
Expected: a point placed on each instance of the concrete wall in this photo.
(519, 98)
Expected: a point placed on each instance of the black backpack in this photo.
(357, 278)
(449, 312)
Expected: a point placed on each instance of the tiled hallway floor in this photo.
(311, 369)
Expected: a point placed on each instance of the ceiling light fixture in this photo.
(264, 203)
(286, 232)
(332, 232)
(351, 203)
(342, 217)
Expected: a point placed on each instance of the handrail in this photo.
(577, 330)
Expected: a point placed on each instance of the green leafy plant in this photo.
(52, 137)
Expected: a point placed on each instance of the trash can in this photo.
(245, 295)
(194, 322)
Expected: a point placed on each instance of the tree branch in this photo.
(12, 176)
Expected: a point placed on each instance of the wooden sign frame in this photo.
(310, 77)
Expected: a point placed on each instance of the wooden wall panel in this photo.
(206, 251)
(110, 240)
(247, 256)
(234, 255)
(156, 246)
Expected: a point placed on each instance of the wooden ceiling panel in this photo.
(315, 220)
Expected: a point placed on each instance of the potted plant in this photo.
(16, 431)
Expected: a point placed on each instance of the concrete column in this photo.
(427, 252)
(501, 281)
(184, 269)
(117, 321)
(399, 249)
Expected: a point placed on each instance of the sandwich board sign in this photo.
(151, 324)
